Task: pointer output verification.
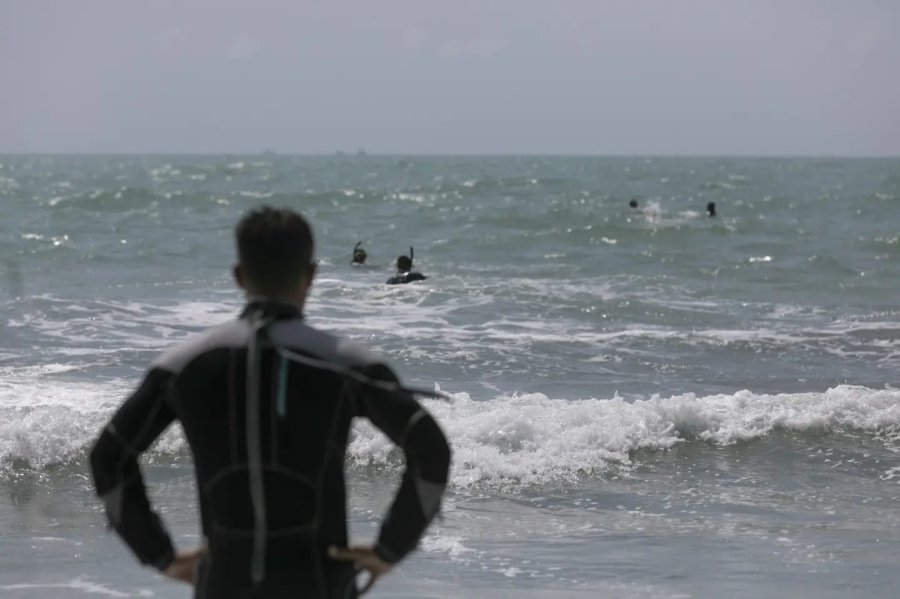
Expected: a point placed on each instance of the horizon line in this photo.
(365, 154)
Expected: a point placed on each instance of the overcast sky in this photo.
(812, 77)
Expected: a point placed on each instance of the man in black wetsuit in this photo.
(266, 403)
(405, 273)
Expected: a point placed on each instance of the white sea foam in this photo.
(508, 440)
(46, 422)
(8, 184)
(81, 586)
(389, 315)
(377, 310)
(515, 439)
(125, 324)
(532, 439)
(451, 545)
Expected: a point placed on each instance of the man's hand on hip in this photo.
(363, 558)
(184, 565)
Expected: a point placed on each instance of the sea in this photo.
(642, 402)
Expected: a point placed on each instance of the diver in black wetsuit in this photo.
(359, 255)
(405, 273)
(266, 403)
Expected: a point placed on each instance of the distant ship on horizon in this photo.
(359, 152)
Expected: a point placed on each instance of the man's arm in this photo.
(413, 429)
(117, 476)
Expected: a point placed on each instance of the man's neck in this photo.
(271, 307)
(296, 302)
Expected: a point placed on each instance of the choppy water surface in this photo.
(644, 402)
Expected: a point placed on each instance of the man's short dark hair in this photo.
(275, 248)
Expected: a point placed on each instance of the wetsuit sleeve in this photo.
(117, 476)
(407, 424)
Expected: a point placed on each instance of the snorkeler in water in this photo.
(359, 255)
(405, 273)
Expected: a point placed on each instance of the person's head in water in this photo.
(404, 263)
(359, 254)
(633, 203)
(275, 250)
(711, 209)
(405, 273)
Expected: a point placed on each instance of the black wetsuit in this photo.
(270, 479)
(406, 277)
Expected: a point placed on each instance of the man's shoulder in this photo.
(299, 336)
(233, 333)
(293, 334)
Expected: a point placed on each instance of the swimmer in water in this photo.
(711, 209)
(633, 204)
(359, 255)
(405, 273)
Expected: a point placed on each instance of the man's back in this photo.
(266, 403)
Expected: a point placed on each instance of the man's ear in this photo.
(311, 274)
(238, 273)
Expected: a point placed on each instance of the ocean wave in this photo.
(44, 422)
(509, 440)
(532, 439)
(126, 324)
